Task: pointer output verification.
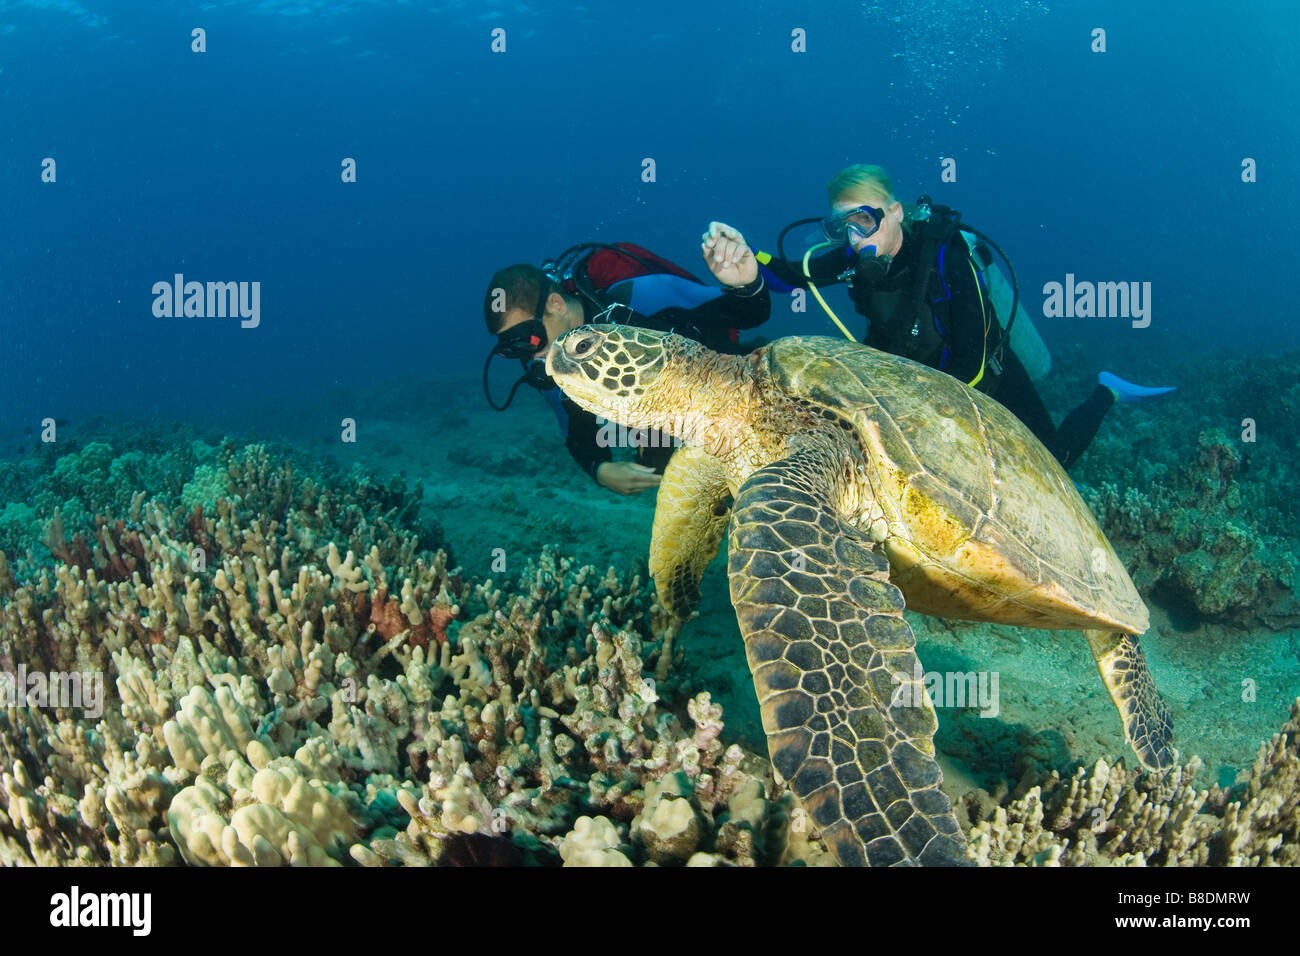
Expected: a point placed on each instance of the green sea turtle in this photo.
(852, 480)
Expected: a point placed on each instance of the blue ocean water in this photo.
(224, 165)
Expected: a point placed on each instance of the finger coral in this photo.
(296, 673)
(1109, 816)
(292, 678)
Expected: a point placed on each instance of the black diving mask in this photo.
(522, 342)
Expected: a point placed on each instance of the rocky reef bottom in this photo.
(292, 670)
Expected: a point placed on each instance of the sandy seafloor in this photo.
(504, 480)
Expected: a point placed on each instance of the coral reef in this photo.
(294, 679)
(1109, 816)
(295, 675)
(1192, 545)
(1187, 485)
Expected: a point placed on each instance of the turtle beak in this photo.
(567, 369)
(557, 363)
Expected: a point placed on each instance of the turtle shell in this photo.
(978, 520)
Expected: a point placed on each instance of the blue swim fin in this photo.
(1127, 391)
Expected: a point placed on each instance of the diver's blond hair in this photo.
(862, 183)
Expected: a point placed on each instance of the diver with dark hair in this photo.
(926, 295)
(527, 308)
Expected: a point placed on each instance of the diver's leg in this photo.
(1080, 426)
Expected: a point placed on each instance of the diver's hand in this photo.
(626, 477)
(728, 256)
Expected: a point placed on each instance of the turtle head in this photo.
(642, 378)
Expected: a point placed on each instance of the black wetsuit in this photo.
(945, 328)
(709, 314)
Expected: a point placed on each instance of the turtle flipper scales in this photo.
(830, 653)
(1148, 725)
(691, 515)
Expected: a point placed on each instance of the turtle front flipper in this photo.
(691, 517)
(834, 664)
(1148, 725)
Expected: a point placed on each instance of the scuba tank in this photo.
(1023, 334)
(1002, 293)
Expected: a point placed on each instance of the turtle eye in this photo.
(582, 345)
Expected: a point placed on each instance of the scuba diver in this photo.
(527, 308)
(928, 293)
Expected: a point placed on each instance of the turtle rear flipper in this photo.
(1148, 725)
(691, 515)
(834, 665)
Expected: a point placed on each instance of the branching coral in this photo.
(1110, 816)
(295, 680)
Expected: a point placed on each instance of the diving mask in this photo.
(852, 225)
(522, 342)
